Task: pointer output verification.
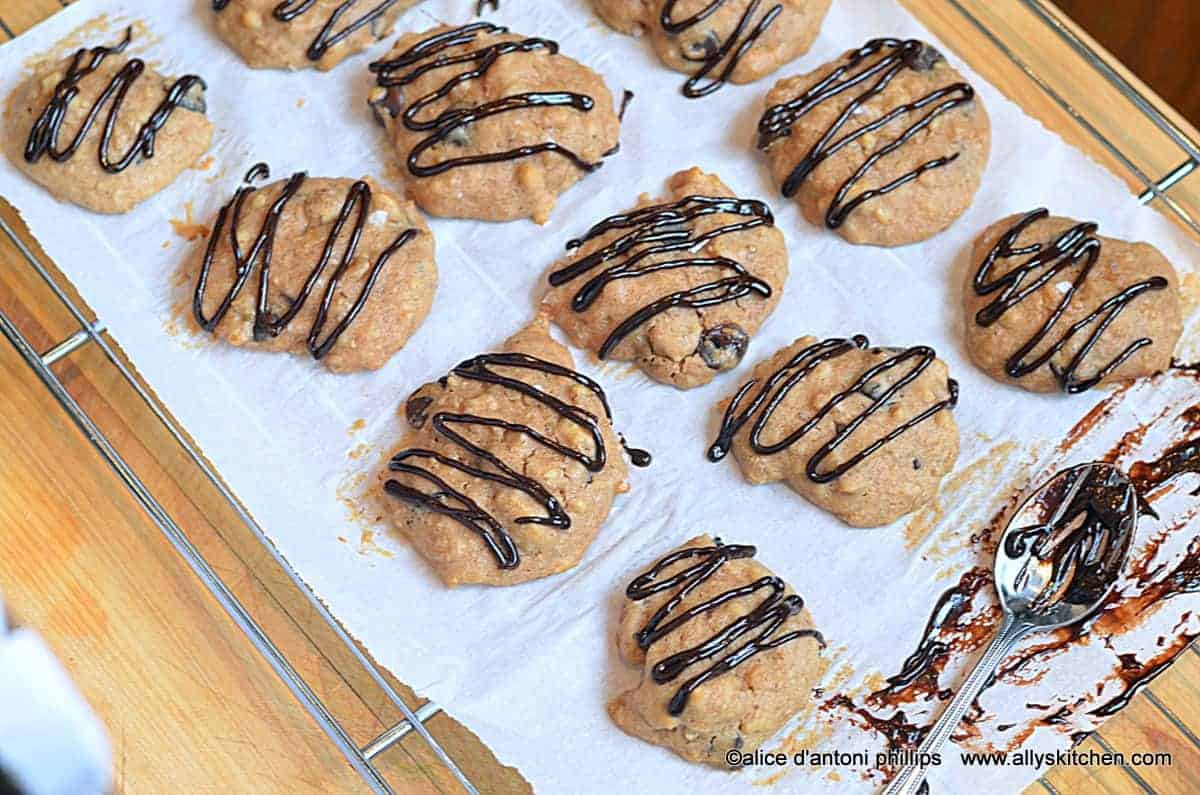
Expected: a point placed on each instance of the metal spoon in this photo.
(1058, 559)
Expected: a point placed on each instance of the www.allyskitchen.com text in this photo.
(891, 759)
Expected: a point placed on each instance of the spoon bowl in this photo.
(1059, 557)
(1064, 548)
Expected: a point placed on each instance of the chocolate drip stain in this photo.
(761, 408)
(896, 730)
(344, 232)
(479, 463)
(1137, 675)
(1179, 459)
(626, 98)
(767, 617)
(661, 229)
(1039, 265)
(482, 4)
(637, 456)
(328, 36)
(43, 137)
(1059, 717)
(931, 653)
(451, 124)
(711, 51)
(1015, 664)
(1167, 582)
(869, 78)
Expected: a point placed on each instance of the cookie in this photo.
(886, 145)
(727, 650)
(490, 124)
(510, 467)
(677, 285)
(719, 41)
(865, 433)
(104, 130)
(340, 269)
(297, 34)
(1050, 305)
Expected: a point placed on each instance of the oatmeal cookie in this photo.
(510, 467)
(1050, 305)
(886, 145)
(865, 433)
(296, 34)
(491, 124)
(104, 130)
(719, 41)
(349, 270)
(725, 666)
(677, 285)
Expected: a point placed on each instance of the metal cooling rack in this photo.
(361, 757)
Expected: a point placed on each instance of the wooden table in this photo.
(190, 703)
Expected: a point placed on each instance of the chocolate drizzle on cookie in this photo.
(867, 77)
(1037, 267)
(877, 385)
(764, 620)
(343, 233)
(43, 137)
(480, 463)
(451, 126)
(661, 229)
(710, 51)
(329, 35)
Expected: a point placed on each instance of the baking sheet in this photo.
(530, 668)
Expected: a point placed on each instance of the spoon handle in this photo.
(908, 780)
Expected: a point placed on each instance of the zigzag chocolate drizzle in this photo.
(734, 47)
(870, 79)
(428, 55)
(43, 137)
(258, 258)
(767, 617)
(761, 408)
(660, 229)
(1077, 247)
(446, 500)
(326, 37)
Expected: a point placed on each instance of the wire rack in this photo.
(413, 720)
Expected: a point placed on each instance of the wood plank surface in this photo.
(192, 706)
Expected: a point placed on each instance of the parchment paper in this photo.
(530, 668)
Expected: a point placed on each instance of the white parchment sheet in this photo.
(530, 668)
